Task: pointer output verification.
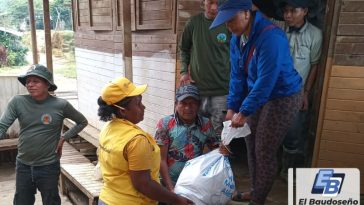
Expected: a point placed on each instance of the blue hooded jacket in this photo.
(271, 73)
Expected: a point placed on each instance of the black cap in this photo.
(294, 3)
(268, 7)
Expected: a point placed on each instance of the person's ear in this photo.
(305, 11)
(246, 15)
(121, 112)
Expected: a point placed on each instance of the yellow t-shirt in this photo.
(123, 147)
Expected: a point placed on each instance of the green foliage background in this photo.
(16, 51)
(14, 12)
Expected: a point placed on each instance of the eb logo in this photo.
(328, 183)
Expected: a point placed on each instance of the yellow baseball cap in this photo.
(119, 89)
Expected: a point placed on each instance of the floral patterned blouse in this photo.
(184, 142)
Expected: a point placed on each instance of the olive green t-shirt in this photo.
(40, 126)
(206, 52)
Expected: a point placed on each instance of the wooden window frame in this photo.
(136, 18)
(100, 28)
(119, 21)
(76, 21)
(118, 8)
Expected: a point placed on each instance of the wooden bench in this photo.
(79, 171)
(8, 144)
(89, 133)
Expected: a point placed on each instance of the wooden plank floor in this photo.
(7, 177)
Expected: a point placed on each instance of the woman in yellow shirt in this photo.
(129, 157)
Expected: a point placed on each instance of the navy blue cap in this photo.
(186, 91)
(229, 9)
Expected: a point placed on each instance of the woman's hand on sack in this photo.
(183, 201)
(170, 187)
(229, 115)
(224, 150)
(238, 120)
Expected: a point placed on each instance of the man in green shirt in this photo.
(40, 143)
(205, 62)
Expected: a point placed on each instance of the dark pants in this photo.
(101, 202)
(269, 126)
(294, 144)
(30, 178)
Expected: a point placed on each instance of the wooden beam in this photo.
(8, 144)
(332, 20)
(47, 35)
(89, 133)
(33, 32)
(127, 39)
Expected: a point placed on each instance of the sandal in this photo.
(241, 196)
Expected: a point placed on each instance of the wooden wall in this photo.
(186, 9)
(154, 63)
(99, 52)
(152, 22)
(10, 86)
(96, 26)
(340, 136)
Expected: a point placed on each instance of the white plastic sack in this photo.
(207, 179)
(229, 133)
(97, 172)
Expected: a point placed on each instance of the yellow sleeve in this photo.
(138, 153)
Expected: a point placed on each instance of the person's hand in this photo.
(185, 79)
(305, 101)
(229, 115)
(183, 201)
(238, 120)
(224, 150)
(170, 187)
(60, 147)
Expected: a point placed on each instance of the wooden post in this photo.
(331, 26)
(33, 32)
(47, 35)
(127, 40)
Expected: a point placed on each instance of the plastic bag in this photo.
(97, 172)
(229, 133)
(207, 179)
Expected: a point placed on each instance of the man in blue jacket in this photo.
(264, 90)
